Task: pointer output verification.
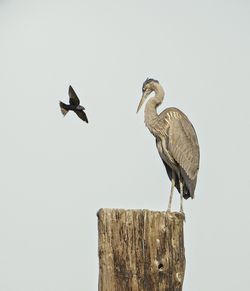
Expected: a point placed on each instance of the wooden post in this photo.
(140, 250)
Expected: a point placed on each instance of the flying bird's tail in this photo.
(64, 108)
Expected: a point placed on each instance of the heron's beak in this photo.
(143, 98)
(140, 104)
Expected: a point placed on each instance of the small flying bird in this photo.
(74, 105)
(176, 141)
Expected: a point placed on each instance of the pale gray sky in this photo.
(57, 172)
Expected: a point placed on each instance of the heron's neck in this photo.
(150, 113)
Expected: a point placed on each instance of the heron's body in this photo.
(176, 141)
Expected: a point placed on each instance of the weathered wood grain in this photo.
(140, 250)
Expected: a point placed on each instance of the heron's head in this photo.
(148, 86)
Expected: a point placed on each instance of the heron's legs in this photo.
(181, 190)
(171, 194)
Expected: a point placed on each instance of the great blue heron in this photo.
(176, 141)
(74, 105)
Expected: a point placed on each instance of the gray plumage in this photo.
(74, 105)
(176, 141)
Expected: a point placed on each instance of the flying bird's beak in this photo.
(143, 98)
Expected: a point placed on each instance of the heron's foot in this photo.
(169, 212)
(183, 214)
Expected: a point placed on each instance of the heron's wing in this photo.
(73, 99)
(81, 114)
(183, 145)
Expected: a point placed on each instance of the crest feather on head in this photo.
(148, 80)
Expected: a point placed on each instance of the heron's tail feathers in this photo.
(187, 194)
(64, 108)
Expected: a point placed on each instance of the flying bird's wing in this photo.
(73, 99)
(81, 114)
(63, 108)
